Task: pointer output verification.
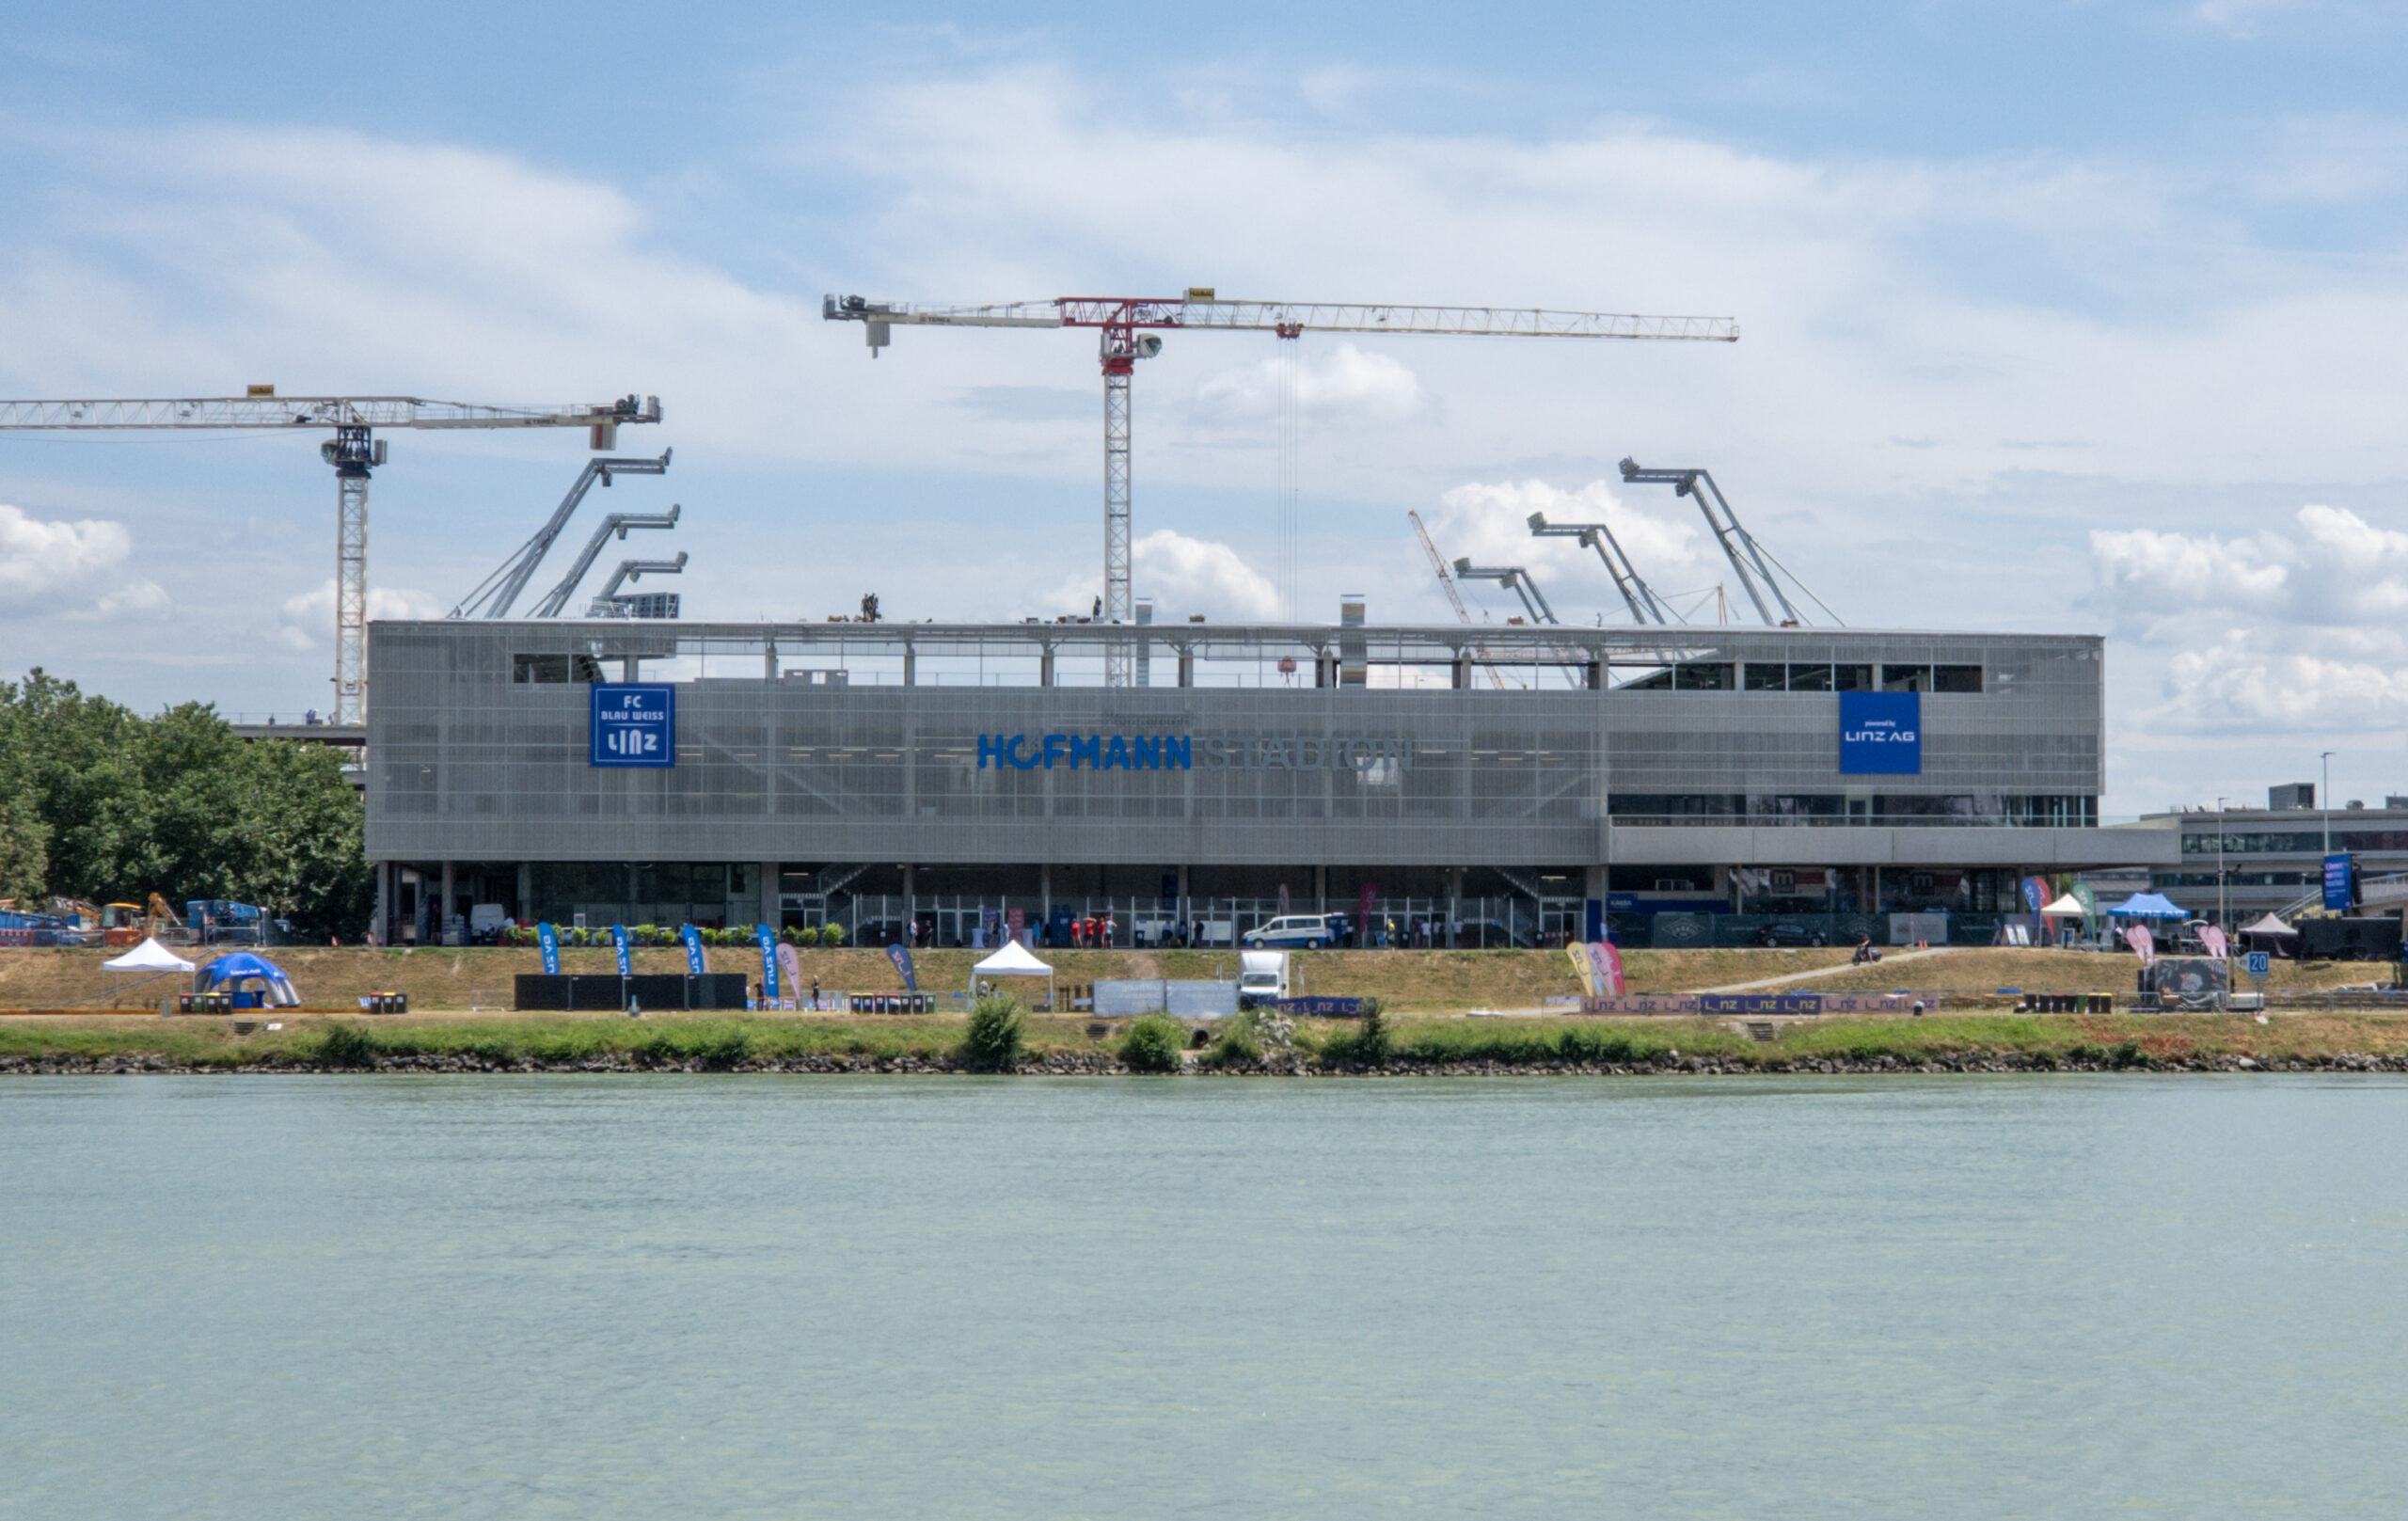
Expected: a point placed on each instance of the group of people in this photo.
(1093, 932)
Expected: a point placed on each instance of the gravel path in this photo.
(1888, 959)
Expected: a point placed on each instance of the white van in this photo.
(1306, 931)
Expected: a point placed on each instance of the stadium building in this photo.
(1480, 784)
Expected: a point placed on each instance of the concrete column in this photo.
(1462, 672)
(1599, 883)
(1045, 889)
(526, 891)
(1321, 889)
(382, 925)
(771, 913)
(1454, 896)
(911, 666)
(911, 890)
(769, 659)
(1186, 666)
(443, 915)
(1045, 667)
(1185, 921)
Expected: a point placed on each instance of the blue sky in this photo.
(2080, 316)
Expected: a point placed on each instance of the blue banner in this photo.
(2336, 884)
(768, 959)
(901, 956)
(618, 939)
(693, 939)
(550, 940)
(1326, 1009)
(1880, 734)
(633, 725)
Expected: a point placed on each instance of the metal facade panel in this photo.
(467, 763)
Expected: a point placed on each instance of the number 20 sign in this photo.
(634, 725)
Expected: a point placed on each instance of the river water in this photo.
(765, 1296)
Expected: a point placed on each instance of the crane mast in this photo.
(1128, 330)
(354, 453)
(1455, 597)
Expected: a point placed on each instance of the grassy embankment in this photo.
(716, 1041)
(1407, 982)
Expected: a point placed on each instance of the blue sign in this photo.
(2258, 964)
(768, 959)
(2337, 883)
(634, 725)
(1880, 734)
(549, 939)
(901, 956)
(618, 939)
(693, 939)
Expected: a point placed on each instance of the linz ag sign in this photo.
(1880, 734)
(634, 725)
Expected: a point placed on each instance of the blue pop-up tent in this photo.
(2149, 906)
(229, 973)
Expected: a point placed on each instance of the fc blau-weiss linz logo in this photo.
(634, 725)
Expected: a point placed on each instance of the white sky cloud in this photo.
(45, 566)
(308, 620)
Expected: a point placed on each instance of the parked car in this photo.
(1789, 934)
(1297, 932)
(1487, 934)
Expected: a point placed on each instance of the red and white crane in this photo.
(1129, 329)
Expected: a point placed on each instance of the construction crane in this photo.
(1127, 332)
(495, 593)
(1455, 599)
(1515, 578)
(1749, 561)
(1642, 598)
(354, 451)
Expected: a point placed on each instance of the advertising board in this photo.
(1880, 734)
(633, 725)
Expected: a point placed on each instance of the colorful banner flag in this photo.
(2144, 944)
(789, 964)
(1584, 968)
(549, 939)
(693, 939)
(768, 960)
(618, 939)
(1607, 957)
(900, 955)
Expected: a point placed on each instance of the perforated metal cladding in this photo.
(465, 764)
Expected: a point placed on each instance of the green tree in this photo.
(99, 802)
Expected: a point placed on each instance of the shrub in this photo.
(993, 1042)
(1374, 1038)
(1600, 1046)
(832, 935)
(346, 1045)
(1154, 1044)
(1239, 1045)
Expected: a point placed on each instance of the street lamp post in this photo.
(2224, 912)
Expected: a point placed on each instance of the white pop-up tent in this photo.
(2068, 906)
(147, 963)
(1013, 960)
(148, 957)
